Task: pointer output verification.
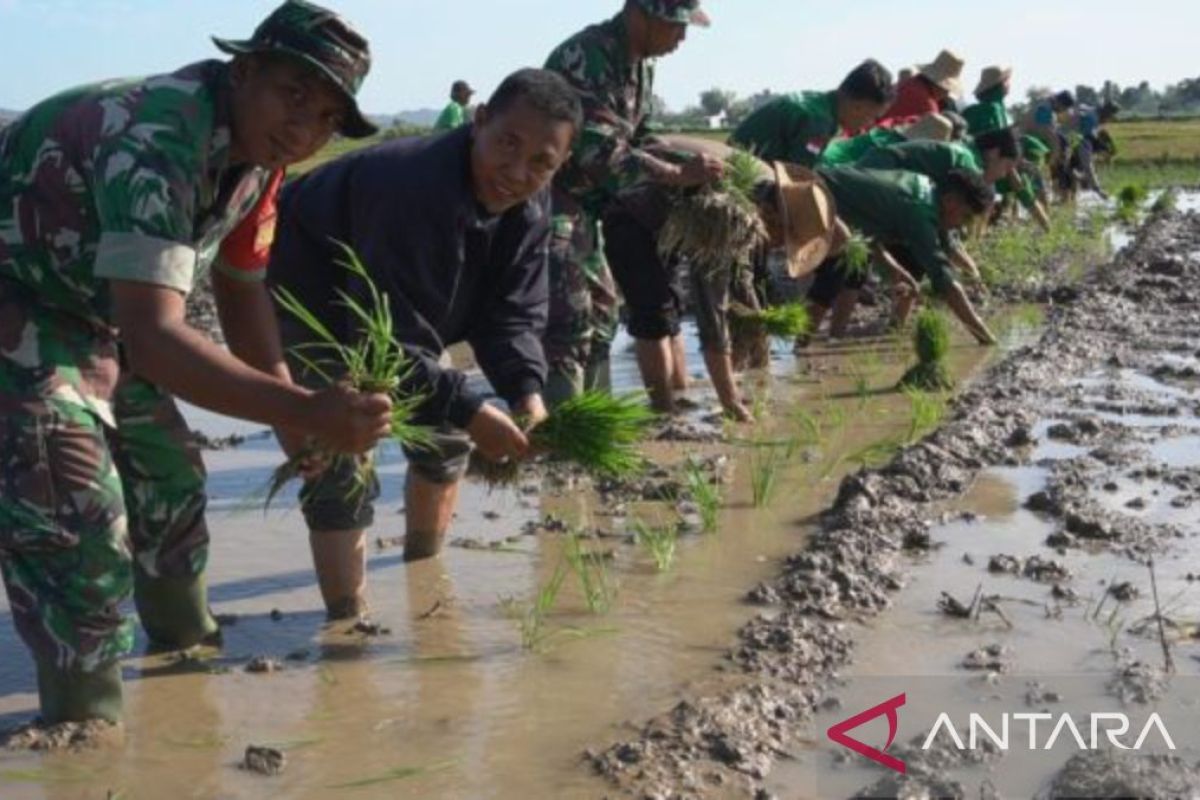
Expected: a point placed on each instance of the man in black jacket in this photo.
(455, 230)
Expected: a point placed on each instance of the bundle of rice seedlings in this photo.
(374, 362)
(596, 431)
(787, 321)
(1130, 200)
(931, 340)
(856, 258)
(718, 225)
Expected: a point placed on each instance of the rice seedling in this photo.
(1166, 202)
(591, 568)
(374, 362)
(596, 431)
(531, 617)
(660, 541)
(1130, 199)
(856, 257)
(810, 427)
(876, 454)
(931, 340)
(787, 321)
(396, 774)
(766, 459)
(705, 493)
(926, 412)
(717, 225)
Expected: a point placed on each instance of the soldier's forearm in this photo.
(164, 350)
(248, 322)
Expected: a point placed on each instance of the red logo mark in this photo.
(838, 733)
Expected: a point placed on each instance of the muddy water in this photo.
(1069, 648)
(447, 703)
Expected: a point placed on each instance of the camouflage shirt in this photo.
(616, 98)
(124, 180)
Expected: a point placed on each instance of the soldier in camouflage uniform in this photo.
(114, 198)
(609, 64)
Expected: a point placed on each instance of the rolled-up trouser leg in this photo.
(64, 549)
(163, 477)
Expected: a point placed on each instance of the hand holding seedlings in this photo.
(496, 435)
(349, 421)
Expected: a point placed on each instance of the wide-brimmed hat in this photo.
(945, 71)
(808, 215)
(321, 39)
(687, 12)
(992, 77)
(931, 128)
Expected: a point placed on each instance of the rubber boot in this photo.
(174, 611)
(76, 696)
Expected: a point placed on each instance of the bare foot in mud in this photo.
(66, 736)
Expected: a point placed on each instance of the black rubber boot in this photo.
(77, 696)
(174, 611)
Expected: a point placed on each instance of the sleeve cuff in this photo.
(145, 259)
(239, 274)
(523, 388)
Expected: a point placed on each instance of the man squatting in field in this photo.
(114, 199)
(610, 66)
(455, 230)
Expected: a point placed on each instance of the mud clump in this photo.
(1106, 774)
(64, 737)
(720, 744)
(264, 761)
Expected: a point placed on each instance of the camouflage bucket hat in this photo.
(685, 11)
(321, 39)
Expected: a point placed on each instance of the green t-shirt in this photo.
(933, 159)
(846, 151)
(794, 128)
(452, 116)
(894, 207)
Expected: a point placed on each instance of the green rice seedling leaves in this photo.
(931, 340)
(531, 617)
(396, 774)
(856, 258)
(374, 362)
(660, 541)
(591, 568)
(598, 431)
(927, 410)
(787, 322)
(705, 493)
(810, 427)
(1130, 199)
(766, 459)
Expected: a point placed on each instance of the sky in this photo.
(421, 46)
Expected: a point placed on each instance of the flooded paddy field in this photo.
(1069, 460)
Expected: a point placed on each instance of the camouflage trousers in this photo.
(583, 295)
(81, 499)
